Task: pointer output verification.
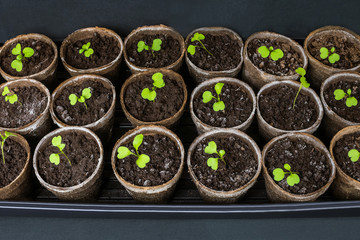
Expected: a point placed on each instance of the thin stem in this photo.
(85, 105)
(205, 48)
(66, 157)
(297, 95)
(2, 151)
(221, 158)
(152, 52)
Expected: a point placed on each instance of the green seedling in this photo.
(85, 94)
(156, 46)
(10, 96)
(4, 137)
(303, 82)
(275, 54)
(197, 37)
(354, 155)
(55, 157)
(332, 57)
(292, 179)
(86, 50)
(158, 83)
(211, 148)
(27, 52)
(142, 159)
(207, 97)
(350, 101)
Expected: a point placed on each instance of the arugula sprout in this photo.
(10, 96)
(350, 101)
(54, 157)
(85, 94)
(354, 155)
(274, 54)
(156, 46)
(303, 82)
(332, 57)
(197, 37)
(292, 179)
(158, 83)
(142, 159)
(86, 50)
(211, 148)
(4, 137)
(207, 97)
(27, 52)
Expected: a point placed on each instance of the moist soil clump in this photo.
(164, 162)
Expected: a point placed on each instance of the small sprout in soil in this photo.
(354, 155)
(85, 94)
(54, 157)
(156, 46)
(27, 52)
(86, 50)
(10, 96)
(211, 148)
(6, 135)
(142, 160)
(274, 54)
(158, 83)
(333, 57)
(292, 179)
(303, 82)
(350, 101)
(207, 96)
(197, 37)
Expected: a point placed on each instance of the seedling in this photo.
(354, 155)
(142, 159)
(86, 50)
(4, 137)
(303, 82)
(158, 83)
(275, 54)
(27, 52)
(211, 148)
(350, 101)
(207, 96)
(197, 37)
(292, 179)
(55, 157)
(85, 94)
(332, 57)
(156, 46)
(10, 96)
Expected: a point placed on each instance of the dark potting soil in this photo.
(169, 99)
(165, 159)
(349, 52)
(285, 66)
(42, 58)
(240, 168)
(15, 159)
(31, 103)
(339, 106)
(106, 49)
(97, 105)
(226, 53)
(170, 51)
(310, 164)
(83, 152)
(276, 107)
(238, 106)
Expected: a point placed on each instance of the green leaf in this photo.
(28, 52)
(140, 46)
(73, 99)
(292, 179)
(56, 141)
(264, 51)
(5, 91)
(61, 146)
(219, 106)
(278, 174)
(142, 160)
(156, 46)
(324, 53)
(349, 92)
(87, 45)
(81, 99)
(211, 148)
(16, 50)
(300, 71)
(197, 37)
(137, 141)
(218, 88)
(8, 134)
(81, 51)
(89, 52)
(12, 99)
(339, 94)
(222, 153)
(86, 93)
(353, 155)
(332, 49)
(17, 65)
(304, 82)
(334, 58)
(191, 49)
(207, 96)
(54, 158)
(148, 94)
(213, 163)
(158, 80)
(287, 166)
(123, 152)
(276, 54)
(351, 101)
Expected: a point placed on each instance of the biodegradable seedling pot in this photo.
(150, 194)
(168, 122)
(268, 131)
(153, 30)
(217, 196)
(109, 70)
(103, 126)
(274, 191)
(258, 78)
(202, 127)
(318, 71)
(200, 74)
(85, 190)
(46, 76)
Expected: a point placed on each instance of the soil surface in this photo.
(310, 164)
(106, 49)
(276, 108)
(15, 159)
(169, 99)
(226, 53)
(238, 106)
(339, 106)
(169, 53)
(31, 103)
(348, 51)
(42, 58)
(240, 168)
(83, 152)
(97, 105)
(285, 66)
(165, 159)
